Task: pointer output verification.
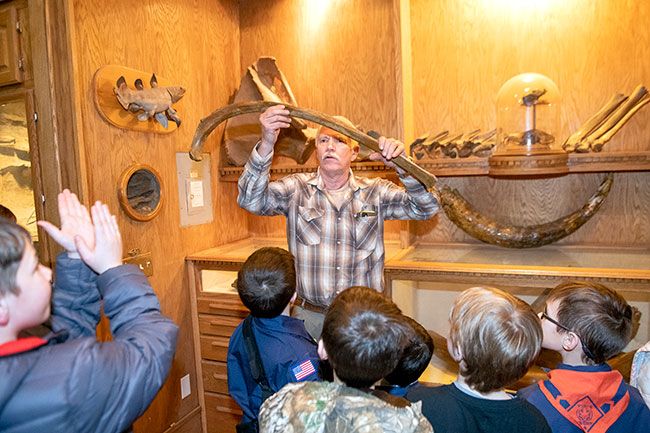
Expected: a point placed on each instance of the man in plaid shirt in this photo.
(335, 220)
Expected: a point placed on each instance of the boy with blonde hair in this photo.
(587, 324)
(494, 337)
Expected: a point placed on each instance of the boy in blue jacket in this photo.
(68, 381)
(266, 285)
(587, 324)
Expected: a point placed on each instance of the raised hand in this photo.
(272, 120)
(390, 148)
(106, 253)
(75, 222)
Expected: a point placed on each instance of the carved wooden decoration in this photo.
(109, 108)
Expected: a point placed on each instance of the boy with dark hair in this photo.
(269, 348)
(494, 337)
(588, 323)
(363, 338)
(415, 359)
(70, 382)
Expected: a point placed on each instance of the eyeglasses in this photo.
(585, 349)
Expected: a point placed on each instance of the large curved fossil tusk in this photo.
(209, 123)
(458, 210)
(463, 214)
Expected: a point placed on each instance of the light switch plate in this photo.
(186, 389)
(194, 189)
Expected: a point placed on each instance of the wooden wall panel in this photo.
(193, 44)
(338, 57)
(464, 51)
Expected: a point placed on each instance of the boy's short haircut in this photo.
(13, 241)
(5, 212)
(364, 336)
(267, 281)
(416, 356)
(498, 335)
(598, 315)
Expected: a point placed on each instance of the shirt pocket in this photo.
(309, 226)
(366, 230)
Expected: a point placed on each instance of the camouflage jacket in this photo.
(324, 407)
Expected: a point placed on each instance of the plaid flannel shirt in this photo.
(334, 248)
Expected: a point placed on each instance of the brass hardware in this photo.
(143, 261)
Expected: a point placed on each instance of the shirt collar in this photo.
(21, 345)
(354, 183)
(585, 368)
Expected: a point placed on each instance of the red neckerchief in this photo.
(21, 345)
(592, 401)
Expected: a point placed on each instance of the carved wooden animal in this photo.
(155, 102)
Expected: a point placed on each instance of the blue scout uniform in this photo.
(288, 353)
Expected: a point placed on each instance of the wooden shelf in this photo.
(472, 166)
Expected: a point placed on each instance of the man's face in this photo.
(31, 306)
(334, 154)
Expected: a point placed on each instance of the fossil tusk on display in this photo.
(458, 210)
(594, 122)
(597, 145)
(463, 214)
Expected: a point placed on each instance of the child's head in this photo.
(25, 284)
(267, 281)
(600, 319)
(494, 336)
(364, 335)
(417, 355)
(7, 213)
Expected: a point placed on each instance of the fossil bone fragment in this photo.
(593, 122)
(155, 102)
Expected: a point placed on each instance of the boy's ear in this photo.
(4, 311)
(454, 351)
(322, 353)
(570, 341)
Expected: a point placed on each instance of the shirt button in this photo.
(338, 242)
(338, 268)
(339, 218)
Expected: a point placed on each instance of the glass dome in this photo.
(528, 116)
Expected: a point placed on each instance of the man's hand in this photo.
(272, 120)
(390, 149)
(107, 251)
(75, 222)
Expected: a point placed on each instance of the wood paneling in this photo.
(464, 51)
(194, 44)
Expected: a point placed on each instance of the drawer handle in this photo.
(220, 376)
(213, 306)
(214, 323)
(218, 344)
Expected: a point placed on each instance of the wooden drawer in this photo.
(217, 325)
(226, 305)
(215, 376)
(214, 348)
(222, 413)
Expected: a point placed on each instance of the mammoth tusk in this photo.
(209, 123)
(458, 210)
(463, 214)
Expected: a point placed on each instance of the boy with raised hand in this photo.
(587, 324)
(494, 337)
(70, 382)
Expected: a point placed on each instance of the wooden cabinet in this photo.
(11, 59)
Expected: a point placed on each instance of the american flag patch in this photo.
(303, 370)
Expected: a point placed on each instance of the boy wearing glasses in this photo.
(588, 323)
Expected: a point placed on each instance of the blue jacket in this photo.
(287, 352)
(80, 384)
(635, 418)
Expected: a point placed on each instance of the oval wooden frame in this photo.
(123, 196)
